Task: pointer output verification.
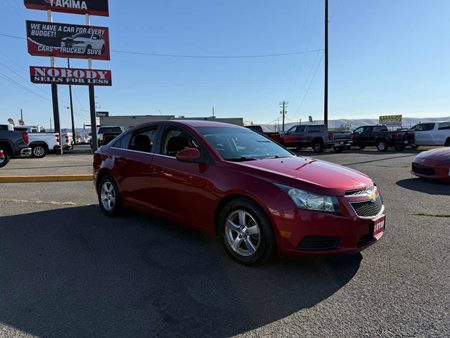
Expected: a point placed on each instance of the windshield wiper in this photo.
(278, 156)
(240, 159)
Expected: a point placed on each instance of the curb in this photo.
(46, 178)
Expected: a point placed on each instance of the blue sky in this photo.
(386, 57)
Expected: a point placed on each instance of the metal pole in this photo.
(325, 103)
(71, 107)
(92, 103)
(55, 96)
(21, 114)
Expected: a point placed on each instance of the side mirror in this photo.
(188, 155)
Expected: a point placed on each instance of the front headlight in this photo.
(310, 201)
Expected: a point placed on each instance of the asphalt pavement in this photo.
(66, 270)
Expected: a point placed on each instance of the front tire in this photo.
(109, 197)
(4, 161)
(381, 145)
(38, 151)
(246, 232)
(317, 147)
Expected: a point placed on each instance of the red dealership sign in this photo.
(92, 7)
(70, 76)
(68, 41)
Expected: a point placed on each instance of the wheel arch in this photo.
(7, 147)
(99, 176)
(228, 198)
(39, 143)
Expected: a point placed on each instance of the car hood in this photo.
(323, 174)
(436, 155)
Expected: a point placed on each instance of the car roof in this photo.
(190, 123)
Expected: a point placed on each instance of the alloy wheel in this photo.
(242, 233)
(38, 151)
(108, 196)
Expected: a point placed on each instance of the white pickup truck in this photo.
(41, 142)
(432, 134)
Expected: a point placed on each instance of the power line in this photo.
(315, 69)
(219, 56)
(23, 87)
(199, 56)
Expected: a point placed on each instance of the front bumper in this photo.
(432, 172)
(311, 233)
(25, 152)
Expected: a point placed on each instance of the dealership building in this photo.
(129, 121)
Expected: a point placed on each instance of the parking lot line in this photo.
(46, 178)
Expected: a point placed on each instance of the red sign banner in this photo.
(92, 7)
(70, 76)
(68, 41)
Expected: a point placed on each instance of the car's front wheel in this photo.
(381, 145)
(246, 232)
(109, 196)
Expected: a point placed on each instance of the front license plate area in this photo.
(379, 225)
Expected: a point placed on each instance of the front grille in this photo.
(358, 192)
(421, 169)
(319, 243)
(368, 208)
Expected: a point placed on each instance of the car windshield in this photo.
(241, 144)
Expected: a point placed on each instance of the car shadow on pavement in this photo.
(425, 186)
(73, 272)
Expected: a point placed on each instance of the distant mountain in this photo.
(355, 123)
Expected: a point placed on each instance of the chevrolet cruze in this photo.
(228, 181)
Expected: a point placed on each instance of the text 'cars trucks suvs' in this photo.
(229, 181)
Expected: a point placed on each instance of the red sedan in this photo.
(433, 164)
(229, 181)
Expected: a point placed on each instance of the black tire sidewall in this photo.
(378, 145)
(6, 160)
(267, 246)
(116, 211)
(317, 147)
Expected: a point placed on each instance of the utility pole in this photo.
(21, 114)
(325, 103)
(71, 107)
(213, 113)
(283, 105)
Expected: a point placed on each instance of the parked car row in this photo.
(30, 140)
(318, 137)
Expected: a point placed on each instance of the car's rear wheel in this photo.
(109, 196)
(317, 147)
(38, 151)
(246, 232)
(381, 145)
(4, 159)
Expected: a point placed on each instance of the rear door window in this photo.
(143, 140)
(444, 126)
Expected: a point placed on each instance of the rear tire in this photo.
(38, 151)
(246, 232)
(317, 147)
(381, 145)
(5, 160)
(447, 142)
(109, 197)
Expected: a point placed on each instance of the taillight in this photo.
(25, 137)
(67, 138)
(395, 136)
(2, 155)
(57, 138)
(330, 136)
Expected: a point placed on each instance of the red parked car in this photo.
(228, 181)
(433, 164)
